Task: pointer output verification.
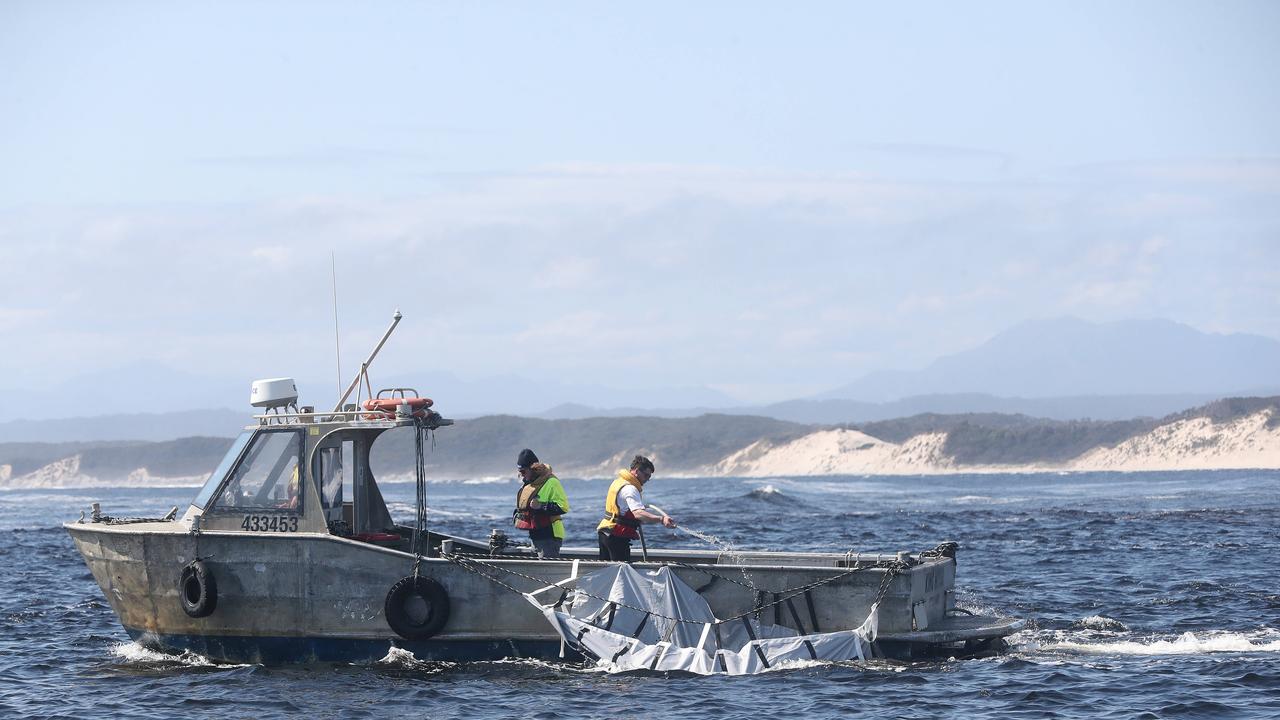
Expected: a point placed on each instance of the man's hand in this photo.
(534, 504)
(667, 521)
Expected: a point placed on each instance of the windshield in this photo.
(267, 477)
(211, 485)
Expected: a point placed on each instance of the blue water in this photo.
(1150, 596)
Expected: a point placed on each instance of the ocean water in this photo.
(1152, 595)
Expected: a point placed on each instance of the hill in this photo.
(1231, 433)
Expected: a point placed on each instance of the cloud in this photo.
(275, 256)
(13, 319)
(568, 273)
(730, 277)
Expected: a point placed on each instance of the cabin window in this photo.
(211, 485)
(267, 476)
(334, 465)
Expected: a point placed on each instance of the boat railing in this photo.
(455, 546)
(351, 414)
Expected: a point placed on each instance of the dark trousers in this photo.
(612, 547)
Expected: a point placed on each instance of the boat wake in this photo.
(1262, 641)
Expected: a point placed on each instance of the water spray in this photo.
(713, 541)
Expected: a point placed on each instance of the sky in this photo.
(763, 200)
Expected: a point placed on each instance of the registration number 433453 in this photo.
(269, 523)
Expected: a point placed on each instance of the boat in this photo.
(288, 554)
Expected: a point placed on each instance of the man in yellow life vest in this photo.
(624, 511)
(539, 504)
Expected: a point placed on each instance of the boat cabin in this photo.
(304, 471)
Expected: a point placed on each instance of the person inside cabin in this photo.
(540, 503)
(624, 510)
(295, 493)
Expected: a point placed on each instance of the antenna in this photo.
(337, 349)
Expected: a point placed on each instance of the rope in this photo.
(98, 517)
(108, 520)
(420, 526)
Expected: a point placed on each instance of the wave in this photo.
(17, 485)
(134, 654)
(1186, 644)
(971, 499)
(769, 494)
(1101, 622)
(404, 509)
(401, 659)
(410, 478)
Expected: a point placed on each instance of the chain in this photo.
(890, 572)
(885, 581)
(469, 563)
(753, 588)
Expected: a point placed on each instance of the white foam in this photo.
(406, 660)
(491, 480)
(408, 510)
(1185, 644)
(432, 479)
(1101, 622)
(399, 657)
(132, 652)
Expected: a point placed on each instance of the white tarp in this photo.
(623, 617)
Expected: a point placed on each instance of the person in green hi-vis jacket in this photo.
(539, 504)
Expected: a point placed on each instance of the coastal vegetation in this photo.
(594, 447)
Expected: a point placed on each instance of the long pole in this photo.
(337, 347)
(644, 549)
(395, 320)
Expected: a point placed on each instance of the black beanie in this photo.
(526, 459)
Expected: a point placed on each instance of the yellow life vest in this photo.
(622, 524)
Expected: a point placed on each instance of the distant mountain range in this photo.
(1058, 369)
(1084, 407)
(136, 426)
(1069, 357)
(154, 388)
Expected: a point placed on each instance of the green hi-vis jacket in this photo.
(545, 521)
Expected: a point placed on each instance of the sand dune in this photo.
(1249, 441)
(1195, 444)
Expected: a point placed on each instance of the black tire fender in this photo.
(417, 608)
(198, 590)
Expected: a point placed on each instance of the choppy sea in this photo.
(1149, 595)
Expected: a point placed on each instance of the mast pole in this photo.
(364, 367)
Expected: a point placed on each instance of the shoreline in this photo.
(458, 480)
(1244, 442)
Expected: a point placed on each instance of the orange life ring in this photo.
(386, 407)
